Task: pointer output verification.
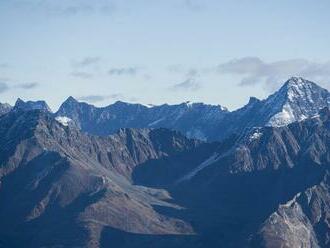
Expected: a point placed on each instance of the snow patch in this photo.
(156, 122)
(200, 167)
(282, 118)
(64, 120)
(256, 135)
(315, 116)
(291, 202)
(148, 105)
(189, 104)
(222, 108)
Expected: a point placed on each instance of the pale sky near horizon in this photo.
(150, 51)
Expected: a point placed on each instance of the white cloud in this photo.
(188, 84)
(87, 61)
(100, 98)
(25, 86)
(3, 87)
(82, 75)
(66, 8)
(130, 71)
(253, 70)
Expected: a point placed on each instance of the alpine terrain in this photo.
(187, 175)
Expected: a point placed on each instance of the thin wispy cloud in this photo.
(63, 8)
(254, 70)
(82, 75)
(193, 5)
(27, 86)
(189, 84)
(191, 81)
(175, 68)
(99, 98)
(186, 70)
(4, 65)
(86, 62)
(123, 71)
(4, 86)
(192, 73)
(86, 67)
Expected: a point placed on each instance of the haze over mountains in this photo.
(186, 175)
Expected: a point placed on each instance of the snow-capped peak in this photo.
(296, 81)
(296, 100)
(300, 88)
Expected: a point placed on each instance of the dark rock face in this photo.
(31, 105)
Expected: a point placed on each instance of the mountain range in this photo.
(296, 100)
(186, 175)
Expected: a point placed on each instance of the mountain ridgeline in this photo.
(186, 175)
(189, 118)
(296, 100)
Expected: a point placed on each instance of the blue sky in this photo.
(152, 51)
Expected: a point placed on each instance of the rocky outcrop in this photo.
(31, 105)
(301, 222)
(4, 108)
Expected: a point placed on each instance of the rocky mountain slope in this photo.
(60, 187)
(244, 188)
(300, 222)
(266, 184)
(155, 187)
